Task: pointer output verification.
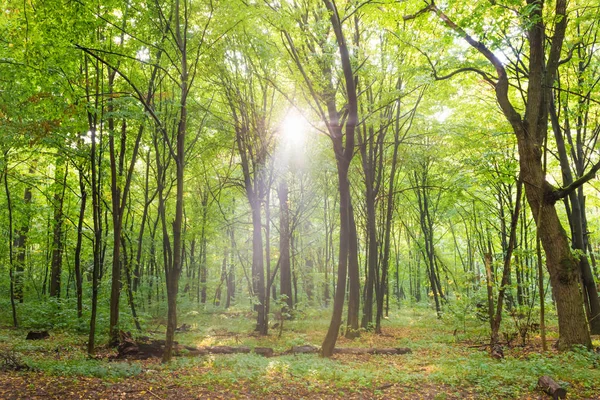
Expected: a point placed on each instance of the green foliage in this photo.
(84, 367)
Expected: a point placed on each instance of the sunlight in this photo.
(143, 54)
(294, 128)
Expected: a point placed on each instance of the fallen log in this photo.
(392, 351)
(228, 349)
(363, 350)
(550, 387)
(264, 351)
(305, 349)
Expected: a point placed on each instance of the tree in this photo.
(530, 129)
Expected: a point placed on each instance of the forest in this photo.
(299, 199)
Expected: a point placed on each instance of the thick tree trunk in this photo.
(544, 57)
(562, 265)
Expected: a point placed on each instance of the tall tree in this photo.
(530, 129)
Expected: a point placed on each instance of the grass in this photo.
(444, 362)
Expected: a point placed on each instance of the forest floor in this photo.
(448, 361)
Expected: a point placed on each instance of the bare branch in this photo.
(418, 13)
(561, 193)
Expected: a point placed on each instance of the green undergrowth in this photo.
(444, 358)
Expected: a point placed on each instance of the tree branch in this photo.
(558, 194)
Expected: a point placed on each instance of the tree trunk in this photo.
(115, 291)
(10, 246)
(60, 183)
(531, 131)
(173, 271)
(78, 276)
(20, 247)
(340, 290)
(352, 328)
(285, 273)
(258, 268)
(578, 229)
(497, 319)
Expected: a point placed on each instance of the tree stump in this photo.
(37, 335)
(183, 328)
(552, 388)
(497, 352)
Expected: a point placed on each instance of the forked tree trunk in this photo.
(531, 130)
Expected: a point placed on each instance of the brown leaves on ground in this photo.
(20, 386)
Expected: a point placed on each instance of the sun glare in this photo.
(293, 129)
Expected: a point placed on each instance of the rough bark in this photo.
(531, 131)
(60, 184)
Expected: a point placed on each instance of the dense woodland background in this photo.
(175, 158)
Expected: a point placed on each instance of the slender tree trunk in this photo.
(542, 295)
(258, 269)
(490, 288)
(127, 260)
(352, 329)
(285, 274)
(60, 182)
(147, 202)
(115, 291)
(78, 275)
(578, 229)
(97, 243)
(20, 246)
(340, 290)
(173, 271)
(497, 320)
(10, 246)
(203, 242)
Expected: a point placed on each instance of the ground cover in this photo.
(448, 361)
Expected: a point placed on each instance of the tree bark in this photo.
(78, 245)
(60, 182)
(531, 131)
(285, 273)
